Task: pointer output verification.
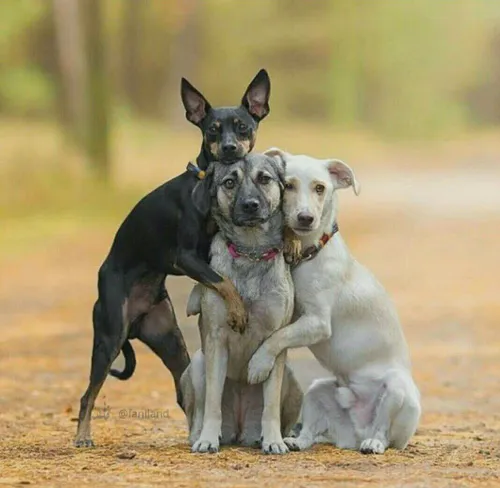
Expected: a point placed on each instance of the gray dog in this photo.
(245, 200)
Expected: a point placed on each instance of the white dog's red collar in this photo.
(312, 251)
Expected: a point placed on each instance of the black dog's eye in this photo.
(264, 179)
(213, 130)
(242, 127)
(320, 189)
(229, 184)
(289, 186)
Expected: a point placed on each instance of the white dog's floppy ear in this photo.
(342, 175)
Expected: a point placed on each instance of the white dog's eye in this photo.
(229, 184)
(289, 186)
(320, 189)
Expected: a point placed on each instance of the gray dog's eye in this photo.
(229, 184)
(264, 179)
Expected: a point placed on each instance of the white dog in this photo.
(344, 315)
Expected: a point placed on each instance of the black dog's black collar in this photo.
(200, 174)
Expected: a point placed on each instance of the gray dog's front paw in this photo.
(204, 445)
(278, 447)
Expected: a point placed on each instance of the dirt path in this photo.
(436, 254)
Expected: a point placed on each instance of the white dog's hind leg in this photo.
(377, 435)
(323, 418)
(406, 421)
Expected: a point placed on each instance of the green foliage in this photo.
(402, 68)
(26, 91)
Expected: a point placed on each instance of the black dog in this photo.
(166, 234)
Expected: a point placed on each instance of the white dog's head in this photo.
(310, 189)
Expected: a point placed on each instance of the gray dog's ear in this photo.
(195, 103)
(279, 159)
(203, 192)
(256, 97)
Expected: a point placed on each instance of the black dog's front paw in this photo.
(84, 443)
(238, 321)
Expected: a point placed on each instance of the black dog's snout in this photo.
(250, 206)
(305, 218)
(229, 148)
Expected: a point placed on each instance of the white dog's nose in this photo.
(305, 219)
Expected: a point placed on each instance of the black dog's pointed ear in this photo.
(195, 103)
(203, 192)
(256, 98)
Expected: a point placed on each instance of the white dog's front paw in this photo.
(260, 366)
(372, 446)
(297, 443)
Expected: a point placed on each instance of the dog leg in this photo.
(307, 330)
(291, 401)
(216, 357)
(193, 393)
(160, 332)
(272, 441)
(323, 419)
(110, 333)
(251, 404)
(193, 306)
(390, 402)
(194, 267)
(406, 421)
(396, 417)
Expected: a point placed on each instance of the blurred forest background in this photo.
(90, 111)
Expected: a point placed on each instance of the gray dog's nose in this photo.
(305, 219)
(250, 206)
(229, 148)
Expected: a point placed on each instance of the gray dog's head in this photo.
(246, 193)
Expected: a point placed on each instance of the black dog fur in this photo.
(166, 234)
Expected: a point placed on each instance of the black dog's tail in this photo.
(130, 363)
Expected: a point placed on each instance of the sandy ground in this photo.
(431, 238)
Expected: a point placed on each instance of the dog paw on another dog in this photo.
(260, 366)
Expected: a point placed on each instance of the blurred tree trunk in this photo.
(184, 56)
(345, 87)
(131, 29)
(71, 67)
(97, 120)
